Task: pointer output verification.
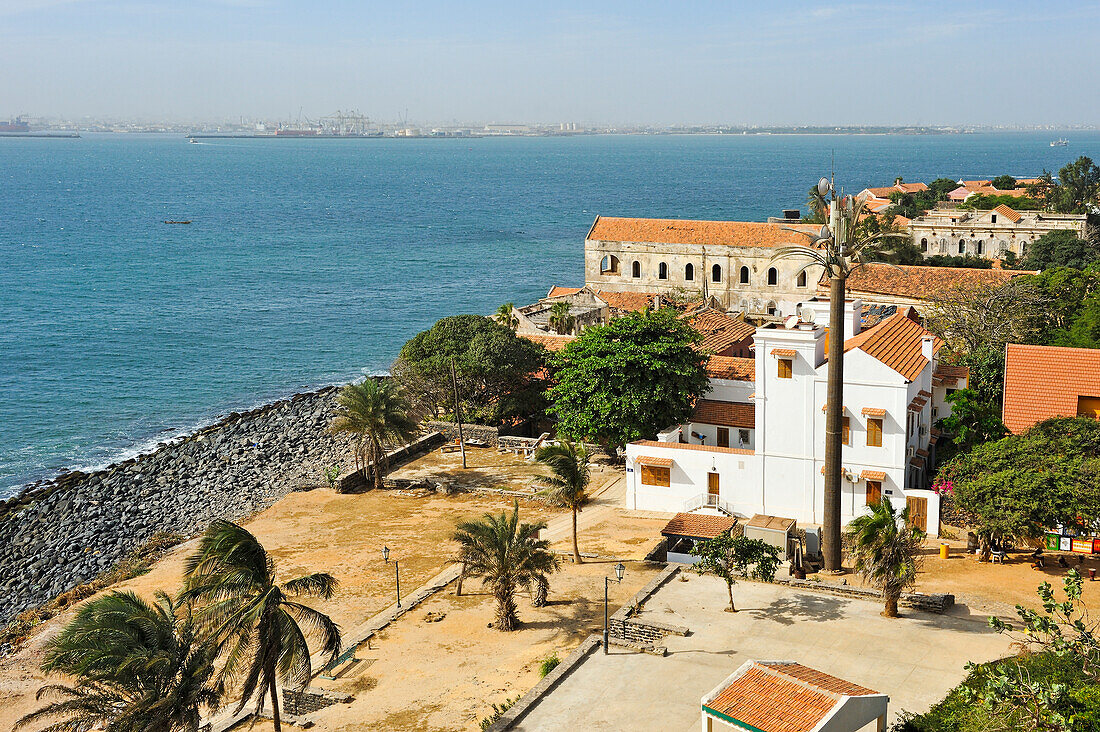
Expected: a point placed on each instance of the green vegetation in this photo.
(251, 619)
(1071, 311)
(1003, 183)
(506, 555)
(548, 664)
(972, 421)
(983, 202)
(624, 381)
(885, 548)
(1060, 248)
(498, 712)
(496, 371)
(912, 205)
(375, 413)
(1076, 191)
(730, 557)
(560, 321)
(567, 486)
(506, 317)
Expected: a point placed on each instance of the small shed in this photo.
(685, 529)
(774, 530)
(784, 696)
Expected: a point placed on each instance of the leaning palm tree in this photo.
(374, 412)
(256, 626)
(839, 248)
(506, 555)
(886, 549)
(560, 321)
(506, 317)
(568, 485)
(139, 667)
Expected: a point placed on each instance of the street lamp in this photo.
(396, 571)
(619, 570)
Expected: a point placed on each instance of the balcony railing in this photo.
(707, 500)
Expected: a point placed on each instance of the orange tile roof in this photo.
(873, 475)
(782, 696)
(913, 187)
(873, 412)
(975, 183)
(698, 525)
(882, 191)
(706, 233)
(659, 462)
(991, 191)
(896, 342)
(1045, 381)
(558, 291)
(919, 283)
(952, 371)
(552, 343)
(630, 301)
(686, 446)
(726, 414)
(732, 369)
(1008, 213)
(784, 352)
(719, 330)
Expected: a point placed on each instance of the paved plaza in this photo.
(914, 659)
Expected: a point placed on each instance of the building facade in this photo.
(988, 234)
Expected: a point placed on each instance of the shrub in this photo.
(548, 664)
(498, 712)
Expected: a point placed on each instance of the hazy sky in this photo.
(927, 62)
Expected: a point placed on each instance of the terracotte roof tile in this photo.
(731, 368)
(719, 330)
(726, 414)
(552, 343)
(896, 342)
(1045, 381)
(701, 233)
(918, 283)
(698, 525)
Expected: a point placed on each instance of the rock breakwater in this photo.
(60, 533)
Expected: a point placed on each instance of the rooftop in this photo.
(917, 282)
(731, 368)
(698, 525)
(726, 414)
(701, 233)
(1045, 381)
(719, 330)
(896, 342)
(552, 343)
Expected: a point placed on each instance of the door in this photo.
(918, 512)
(712, 489)
(723, 437)
(874, 492)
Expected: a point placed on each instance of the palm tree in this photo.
(374, 412)
(250, 616)
(839, 248)
(568, 486)
(886, 548)
(139, 667)
(560, 320)
(506, 555)
(818, 205)
(506, 317)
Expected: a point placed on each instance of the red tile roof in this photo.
(726, 414)
(659, 462)
(896, 342)
(873, 475)
(719, 330)
(552, 343)
(704, 233)
(698, 525)
(1045, 381)
(1008, 213)
(952, 371)
(732, 369)
(558, 291)
(784, 352)
(686, 446)
(631, 301)
(919, 283)
(872, 412)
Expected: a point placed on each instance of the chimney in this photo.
(854, 318)
(656, 302)
(926, 343)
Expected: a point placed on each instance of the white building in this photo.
(756, 443)
(990, 234)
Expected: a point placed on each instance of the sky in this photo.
(978, 62)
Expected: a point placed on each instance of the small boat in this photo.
(177, 222)
(1060, 142)
(192, 140)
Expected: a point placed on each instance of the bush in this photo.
(548, 664)
(498, 712)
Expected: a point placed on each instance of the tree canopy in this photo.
(1003, 183)
(731, 555)
(497, 371)
(1060, 248)
(1071, 312)
(624, 381)
(1077, 189)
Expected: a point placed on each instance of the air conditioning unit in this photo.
(921, 430)
(910, 451)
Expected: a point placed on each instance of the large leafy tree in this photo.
(497, 371)
(506, 316)
(1072, 314)
(973, 421)
(506, 555)
(1022, 484)
(1060, 248)
(626, 380)
(731, 555)
(886, 550)
(567, 486)
(376, 414)
(259, 628)
(1077, 189)
(139, 667)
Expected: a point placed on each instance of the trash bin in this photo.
(943, 550)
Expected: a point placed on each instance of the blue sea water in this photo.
(310, 262)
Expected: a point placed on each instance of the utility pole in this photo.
(458, 414)
(834, 406)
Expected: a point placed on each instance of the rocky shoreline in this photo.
(60, 533)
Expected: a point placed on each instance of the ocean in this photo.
(311, 262)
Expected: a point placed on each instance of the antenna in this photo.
(790, 322)
(808, 315)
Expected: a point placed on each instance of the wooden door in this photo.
(874, 492)
(918, 512)
(723, 437)
(712, 484)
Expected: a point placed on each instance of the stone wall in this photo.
(488, 435)
(355, 481)
(936, 603)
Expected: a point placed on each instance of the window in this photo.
(846, 431)
(723, 437)
(609, 265)
(742, 438)
(1088, 406)
(716, 273)
(874, 432)
(771, 308)
(981, 246)
(744, 275)
(689, 272)
(924, 245)
(786, 368)
(800, 281)
(636, 270)
(773, 276)
(962, 247)
(662, 271)
(874, 492)
(656, 475)
(993, 219)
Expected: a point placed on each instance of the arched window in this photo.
(636, 270)
(662, 271)
(773, 276)
(771, 308)
(744, 275)
(800, 281)
(981, 246)
(609, 265)
(924, 245)
(1003, 246)
(943, 246)
(716, 273)
(962, 247)
(689, 272)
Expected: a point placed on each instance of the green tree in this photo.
(139, 667)
(506, 316)
(497, 371)
(886, 549)
(983, 202)
(972, 421)
(568, 485)
(1060, 248)
(375, 413)
(252, 618)
(1078, 187)
(506, 555)
(1068, 294)
(818, 206)
(728, 557)
(624, 381)
(560, 321)
(1004, 183)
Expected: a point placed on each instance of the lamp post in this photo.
(619, 570)
(396, 571)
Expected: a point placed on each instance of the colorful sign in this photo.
(1081, 546)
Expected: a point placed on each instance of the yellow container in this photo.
(943, 551)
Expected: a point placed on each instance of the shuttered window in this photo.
(847, 431)
(785, 368)
(874, 432)
(656, 475)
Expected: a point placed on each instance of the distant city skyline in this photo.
(616, 63)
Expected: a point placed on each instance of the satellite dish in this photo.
(808, 315)
(823, 187)
(824, 233)
(791, 321)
